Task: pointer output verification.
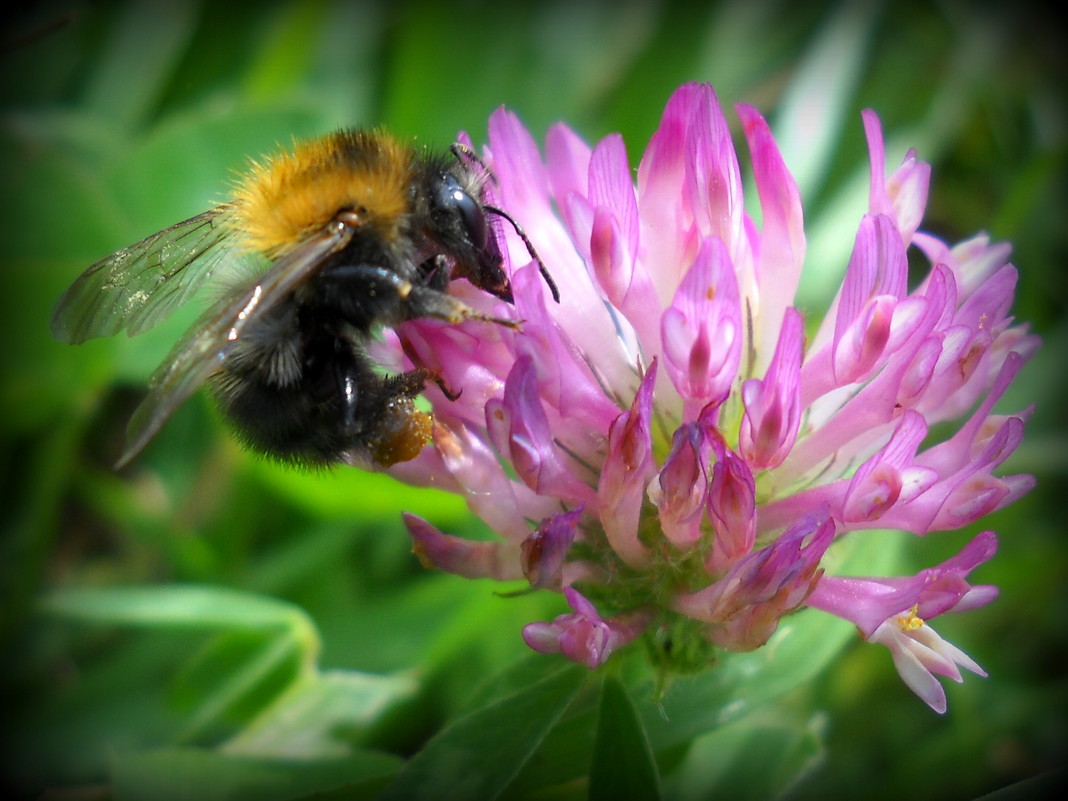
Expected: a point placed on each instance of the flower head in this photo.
(667, 447)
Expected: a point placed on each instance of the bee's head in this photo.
(464, 233)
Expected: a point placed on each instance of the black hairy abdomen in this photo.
(283, 389)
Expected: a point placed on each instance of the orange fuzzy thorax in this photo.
(286, 197)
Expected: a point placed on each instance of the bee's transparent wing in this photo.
(139, 286)
(206, 345)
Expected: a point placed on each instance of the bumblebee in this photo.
(350, 232)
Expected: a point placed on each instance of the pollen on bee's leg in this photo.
(403, 431)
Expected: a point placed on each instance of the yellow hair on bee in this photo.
(286, 197)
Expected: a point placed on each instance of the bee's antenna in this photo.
(530, 248)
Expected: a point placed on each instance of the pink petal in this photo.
(460, 556)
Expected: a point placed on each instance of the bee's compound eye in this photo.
(455, 198)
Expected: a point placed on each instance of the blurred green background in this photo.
(118, 119)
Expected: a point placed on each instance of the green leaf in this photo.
(623, 765)
(761, 757)
(529, 669)
(318, 718)
(265, 645)
(232, 679)
(185, 606)
(186, 774)
(477, 756)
